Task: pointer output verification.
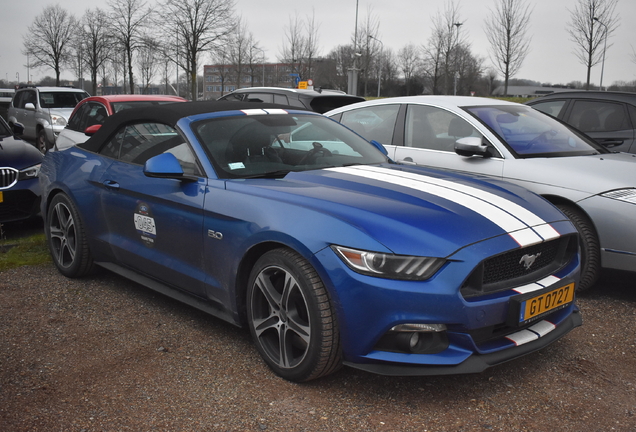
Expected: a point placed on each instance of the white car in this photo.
(593, 186)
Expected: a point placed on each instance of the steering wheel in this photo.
(312, 154)
(536, 139)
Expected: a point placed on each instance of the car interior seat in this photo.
(589, 121)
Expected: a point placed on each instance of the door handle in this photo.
(111, 184)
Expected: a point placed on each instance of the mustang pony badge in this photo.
(528, 260)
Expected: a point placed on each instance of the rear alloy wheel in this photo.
(41, 141)
(291, 317)
(66, 238)
(590, 249)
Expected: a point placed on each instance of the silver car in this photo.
(593, 186)
(42, 112)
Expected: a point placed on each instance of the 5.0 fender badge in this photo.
(215, 235)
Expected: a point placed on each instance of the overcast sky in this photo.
(551, 58)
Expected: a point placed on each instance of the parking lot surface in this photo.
(105, 354)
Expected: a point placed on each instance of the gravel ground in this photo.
(105, 354)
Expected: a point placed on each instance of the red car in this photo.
(90, 113)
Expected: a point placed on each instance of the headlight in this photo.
(389, 266)
(58, 120)
(627, 195)
(29, 173)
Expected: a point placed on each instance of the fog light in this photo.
(414, 339)
(419, 328)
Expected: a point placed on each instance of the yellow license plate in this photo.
(1, 197)
(546, 302)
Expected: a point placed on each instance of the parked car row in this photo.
(342, 242)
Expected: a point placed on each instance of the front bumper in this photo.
(476, 363)
(614, 221)
(20, 202)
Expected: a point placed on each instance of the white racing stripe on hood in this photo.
(512, 218)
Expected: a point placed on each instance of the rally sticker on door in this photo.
(145, 224)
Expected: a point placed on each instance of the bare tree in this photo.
(96, 42)
(240, 46)
(441, 51)
(49, 39)
(198, 26)
(293, 48)
(221, 57)
(311, 43)
(433, 55)
(368, 45)
(506, 30)
(592, 22)
(129, 17)
(300, 46)
(148, 61)
(408, 60)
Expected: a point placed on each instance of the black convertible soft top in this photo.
(168, 114)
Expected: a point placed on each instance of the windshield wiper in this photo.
(270, 174)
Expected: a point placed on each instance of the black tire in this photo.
(291, 317)
(590, 247)
(41, 142)
(66, 238)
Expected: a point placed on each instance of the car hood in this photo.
(592, 174)
(18, 154)
(412, 210)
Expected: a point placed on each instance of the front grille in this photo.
(509, 265)
(8, 177)
(512, 269)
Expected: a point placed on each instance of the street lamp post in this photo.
(379, 64)
(604, 49)
(262, 63)
(456, 75)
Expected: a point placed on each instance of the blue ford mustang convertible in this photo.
(292, 225)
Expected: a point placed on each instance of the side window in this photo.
(260, 97)
(139, 142)
(435, 129)
(373, 123)
(75, 123)
(280, 99)
(599, 116)
(550, 107)
(96, 114)
(17, 100)
(28, 96)
(632, 114)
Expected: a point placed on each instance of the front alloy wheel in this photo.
(291, 317)
(66, 238)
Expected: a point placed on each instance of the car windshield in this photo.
(530, 133)
(272, 145)
(61, 99)
(120, 106)
(4, 129)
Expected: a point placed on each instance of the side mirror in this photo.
(380, 147)
(471, 146)
(166, 166)
(29, 107)
(17, 129)
(90, 131)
